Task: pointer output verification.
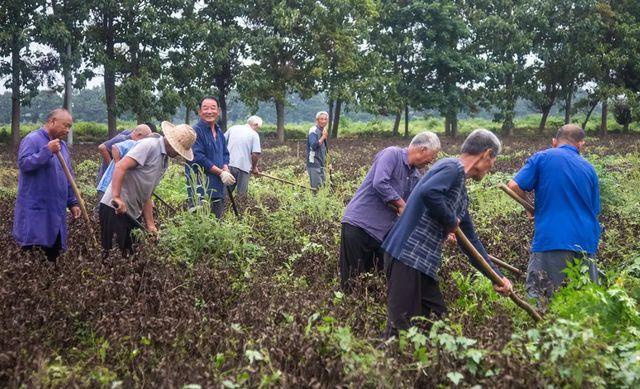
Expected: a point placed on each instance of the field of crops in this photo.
(256, 302)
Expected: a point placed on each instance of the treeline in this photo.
(382, 57)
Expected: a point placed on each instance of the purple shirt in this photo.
(43, 193)
(390, 178)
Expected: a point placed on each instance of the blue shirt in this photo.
(208, 152)
(390, 178)
(567, 200)
(44, 194)
(122, 136)
(316, 151)
(439, 199)
(123, 148)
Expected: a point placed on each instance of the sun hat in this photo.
(180, 137)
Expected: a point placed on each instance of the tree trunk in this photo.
(454, 124)
(68, 89)
(15, 91)
(396, 123)
(626, 127)
(280, 120)
(336, 119)
(330, 114)
(406, 120)
(543, 120)
(567, 106)
(603, 120)
(110, 74)
(187, 115)
(507, 124)
(447, 125)
(586, 120)
(222, 120)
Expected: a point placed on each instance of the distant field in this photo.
(89, 132)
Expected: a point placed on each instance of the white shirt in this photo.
(242, 140)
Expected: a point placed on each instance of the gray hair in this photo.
(426, 139)
(322, 113)
(257, 120)
(571, 133)
(481, 140)
(51, 115)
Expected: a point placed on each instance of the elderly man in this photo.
(243, 143)
(118, 151)
(317, 150)
(413, 248)
(134, 179)
(567, 204)
(106, 148)
(43, 190)
(376, 204)
(210, 165)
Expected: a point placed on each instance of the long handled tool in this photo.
(83, 208)
(505, 265)
(527, 206)
(494, 276)
(233, 203)
(131, 219)
(285, 181)
(173, 210)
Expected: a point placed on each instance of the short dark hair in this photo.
(481, 140)
(151, 126)
(54, 112)
(209, 98)
(571, 133)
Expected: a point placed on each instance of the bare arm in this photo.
(106, 157)
(255, 157)
(147, 214)
(115, 151)
(120, 170)
(516, 188)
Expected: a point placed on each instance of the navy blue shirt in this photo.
(435, 204)
(567, 200)
(207, 152)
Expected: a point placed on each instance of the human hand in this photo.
(75, 212)
(530, 216)
(227, 178)
(453, 230)
(505, 289)
(325, 133)
(255, 171)
(451, 239)
(400, 209)
(54, 145)
(119, 205)
(152, 229)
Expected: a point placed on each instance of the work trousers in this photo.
(545, 271)
(359, 252)
(316, 176)
(410, 294)
(242, 180)
(50, 252)
(119, 225)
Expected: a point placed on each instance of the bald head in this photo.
(570, 133)
(58, 123)
(140, 131)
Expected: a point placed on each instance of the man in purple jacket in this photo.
(43, 190)
(380, 199)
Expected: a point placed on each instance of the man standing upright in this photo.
(211, 160)
(40, 219)
(243, 143)
(317, 150)
(567, 204)
(377, 203)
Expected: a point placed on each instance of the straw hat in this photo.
(181, 138)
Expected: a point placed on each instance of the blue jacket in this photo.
(43, 193)
(207, 152)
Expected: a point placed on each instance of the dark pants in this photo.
(359, 252)
(51, 252)
(410, 294)
(120, 225)
(217, 207)
(545, 271)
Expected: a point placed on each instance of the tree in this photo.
(283, 54)
(27, 67)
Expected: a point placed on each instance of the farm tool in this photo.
(505, 265)
(233, 203)
(76, 191)
(286, 182)
(173, 210)
(131, 219)
(535, 315)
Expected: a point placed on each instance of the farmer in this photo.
(317, 149)
(377, 203)
(118, 151)
(567, 204)
(243, 143)
(134, 179)
(105, 148)
(413, 247)
(210, 166)
(44, 192)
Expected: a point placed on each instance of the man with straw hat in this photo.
(134, 180)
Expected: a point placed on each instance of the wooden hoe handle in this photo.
(83, 208)
(493, 276)
(527, 206)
